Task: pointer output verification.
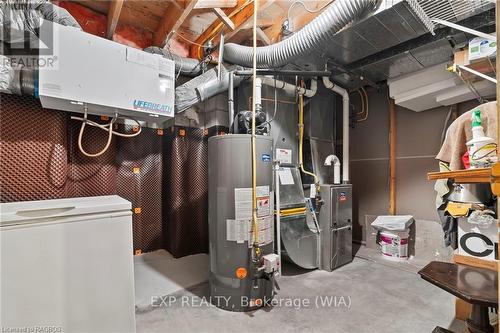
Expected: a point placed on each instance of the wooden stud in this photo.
(115, 8)
(223, 17)
(392, 157)
(172, 20)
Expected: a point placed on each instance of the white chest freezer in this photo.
(67, 265)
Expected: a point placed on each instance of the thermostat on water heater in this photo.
(105, 77)
(271, 263)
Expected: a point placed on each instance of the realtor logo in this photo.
(27, 40)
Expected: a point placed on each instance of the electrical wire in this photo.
(312, 11)
(366, 105)
(108, 127)
(445, 126)
(187, 40)
(470, 86)
(362, 99)
(268, 122)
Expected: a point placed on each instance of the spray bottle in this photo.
(482, 149)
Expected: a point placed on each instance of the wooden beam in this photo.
(246, 35)
(261, 35)
(392, 157)
(172, 20)
(195, 51)
(248, 23)
(115, 8)
(203, 4)
(299, 20)
(223, 17)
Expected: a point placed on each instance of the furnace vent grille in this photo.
(448, 10)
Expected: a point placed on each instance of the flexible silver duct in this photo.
(315, 34)
(18, 17)
(203, 87)
(186, 66)
(20, 20)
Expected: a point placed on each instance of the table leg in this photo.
(479, 321)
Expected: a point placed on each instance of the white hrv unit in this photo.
(104, 76)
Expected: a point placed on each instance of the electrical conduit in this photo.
(256, 101)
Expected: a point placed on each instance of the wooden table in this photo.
(477, 286)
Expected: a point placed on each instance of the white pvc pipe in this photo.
(291, 89)
(258, 92)
(345, 125)
(481, 75)
(278, 214)
(336, 167)
(230, 99)
(465, 29)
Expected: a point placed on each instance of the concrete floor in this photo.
(159, 273)
(379, 298)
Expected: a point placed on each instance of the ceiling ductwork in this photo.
(314, 35)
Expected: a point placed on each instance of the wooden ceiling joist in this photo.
(298, 20)
(244, 8)
(248, 24)
(172, 20)
(115, 8)
(223, 17)
(202, 4)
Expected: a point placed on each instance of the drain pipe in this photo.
(345, 126)
(292, 89)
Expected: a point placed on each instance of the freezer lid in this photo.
(23, 212)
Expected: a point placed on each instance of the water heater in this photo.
(237, 282)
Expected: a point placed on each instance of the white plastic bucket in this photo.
(394, 244)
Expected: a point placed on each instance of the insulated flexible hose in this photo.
(108, 127)
(315, 34)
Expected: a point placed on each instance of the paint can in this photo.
(394, 244)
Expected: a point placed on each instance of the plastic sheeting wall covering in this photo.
(33, 151)
(187, 173)
(163, 174)
(139, 160)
